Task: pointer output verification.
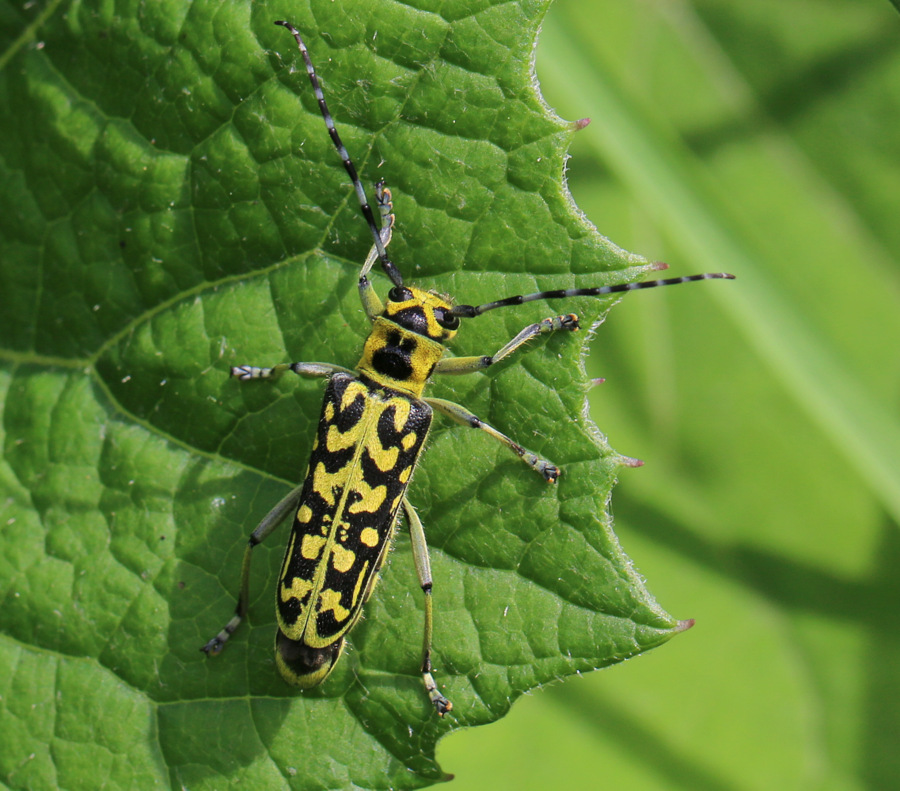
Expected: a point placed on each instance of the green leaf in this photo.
(172, 206)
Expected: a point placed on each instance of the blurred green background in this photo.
(761, 139)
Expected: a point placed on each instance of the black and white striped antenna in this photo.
(461, 311)
(470, 311)
(390, 269)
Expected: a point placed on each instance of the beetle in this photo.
(370, 436)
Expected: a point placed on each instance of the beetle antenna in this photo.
(390, 269)
(470, 311)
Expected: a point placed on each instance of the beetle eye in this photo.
(446, 319)
(399, 294)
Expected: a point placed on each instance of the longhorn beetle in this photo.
(370, 435)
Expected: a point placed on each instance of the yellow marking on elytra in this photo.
(331, 600)
(289, 553)
(298, 589)
(404, 476)
(359, 580)
(336, 441)
(311, 546)
(402, 408)
(328, 414)
(329, 532)
(304, 514)
(408, 440)
(384, 458)
(372, 498)
(369, 536)
(325, 482)
(354, 389)
(343, 558)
